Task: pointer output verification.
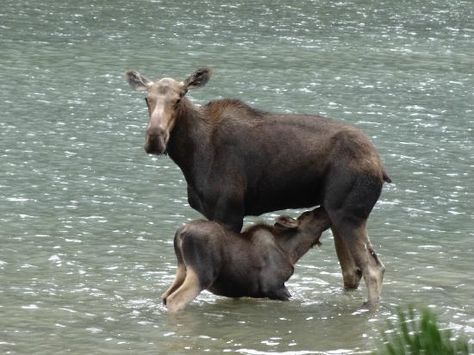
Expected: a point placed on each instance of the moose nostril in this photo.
(155, 132)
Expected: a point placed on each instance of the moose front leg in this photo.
(229, 211)
(222, 210)
(219, 200)
(194, 200)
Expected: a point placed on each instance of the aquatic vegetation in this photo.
(418, 332)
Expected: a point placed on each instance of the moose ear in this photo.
(198, 79)
(137, 81)
(286, 222)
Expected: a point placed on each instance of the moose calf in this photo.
(254, 263)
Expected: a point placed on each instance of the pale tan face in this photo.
(162, 100)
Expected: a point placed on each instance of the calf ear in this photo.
(286, 222)
(137, 81)
(198, 79)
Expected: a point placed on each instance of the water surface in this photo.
(87, 218)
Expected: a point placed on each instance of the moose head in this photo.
(163, 98)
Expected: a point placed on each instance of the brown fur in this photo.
(219, 110)
(240, 161)
(255, 263)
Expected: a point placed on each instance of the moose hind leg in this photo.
(349, 201)
(372, 269)
(351, 274)
(366, 260)
(188, 291)
(376, 264)
(377, 261)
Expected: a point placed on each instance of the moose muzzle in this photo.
(156, 140)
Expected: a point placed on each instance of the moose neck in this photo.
(296, 244)
(189, 140)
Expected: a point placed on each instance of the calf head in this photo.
(163, 98)
(311, 223)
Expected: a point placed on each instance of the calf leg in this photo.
(199, 256)
(351, 274)
(278, 269)
(178, 281)
(281, 294)
(188, 291)
(181, 270)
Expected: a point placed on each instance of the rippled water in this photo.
(87, 218)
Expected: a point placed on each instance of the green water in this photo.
(87, 218)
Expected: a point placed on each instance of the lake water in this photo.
(87, 218)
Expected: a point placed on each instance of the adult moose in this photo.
(240, 161)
